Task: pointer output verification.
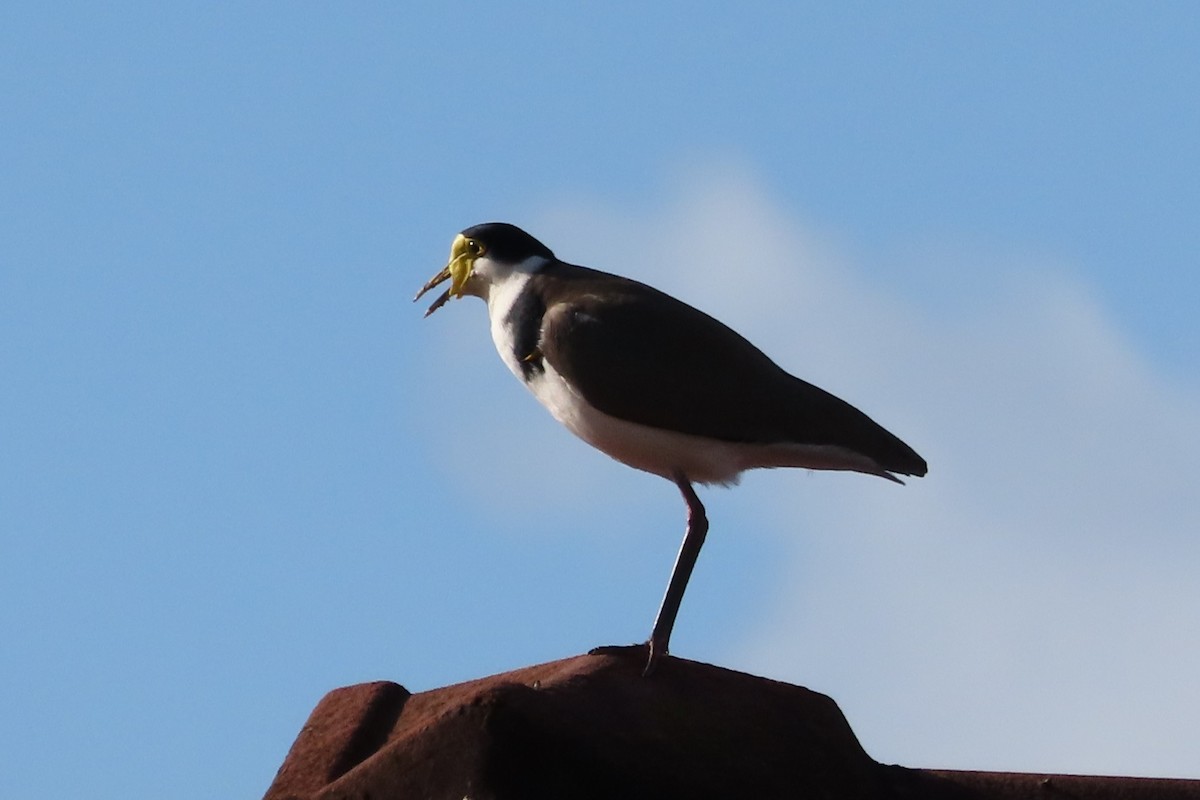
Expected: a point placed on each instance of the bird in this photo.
(655, 383)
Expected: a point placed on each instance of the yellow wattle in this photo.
(461, 263)
(460, 270)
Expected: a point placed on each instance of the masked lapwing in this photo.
(655, 383)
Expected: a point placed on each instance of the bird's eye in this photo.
(474, 247)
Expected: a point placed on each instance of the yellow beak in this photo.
(457, 271)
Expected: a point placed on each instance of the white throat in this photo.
(491, 277)
(502, 286)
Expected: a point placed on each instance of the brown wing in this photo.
(643, 356)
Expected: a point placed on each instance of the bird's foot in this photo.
(648, 650)
(617, 649)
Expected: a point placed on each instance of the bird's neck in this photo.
(515, 310)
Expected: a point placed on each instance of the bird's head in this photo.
(482, 256)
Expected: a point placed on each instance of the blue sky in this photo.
(239, 470)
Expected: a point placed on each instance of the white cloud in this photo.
(1029, 606)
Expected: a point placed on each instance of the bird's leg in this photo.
(693, 540)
